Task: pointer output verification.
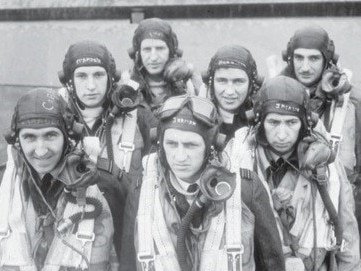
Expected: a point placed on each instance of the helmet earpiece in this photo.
(62, 78)
(131, 52)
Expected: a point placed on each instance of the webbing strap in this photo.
(145, 213)
(167, 255)
(61, 255)
(126, 145)
(6, 193)
(212, 255)
(241, 155)
(14, 244)
(339, 117)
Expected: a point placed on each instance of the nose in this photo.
(153, 54)
(180, 154)
(305, 65)
(229, 88)
(90, 83)
(282, 132)
(41, 148)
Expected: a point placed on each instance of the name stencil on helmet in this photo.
(87, 60)
(287, 107)
(184, 121)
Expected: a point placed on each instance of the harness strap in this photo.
(145, 214)
(126, 146)
(234, 205)
(339, 116)
(62, 255)
(167, 258)
(339, 110)
(213, 258)
(13, 234)
(6, 194)
(122, 135)
(109, 166)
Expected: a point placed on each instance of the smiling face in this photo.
(308, 65)
(155, 55)
(230, 88)
(185, 153)
(42, 147)
(282, 131)
(91, 85)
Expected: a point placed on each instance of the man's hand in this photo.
(176, 70)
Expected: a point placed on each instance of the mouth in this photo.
(180, 167)
(282, 146)
(91, 96)
(306, 76)
(229, 100)
(154, 66)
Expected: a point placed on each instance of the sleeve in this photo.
(268, 247)
(349, 258)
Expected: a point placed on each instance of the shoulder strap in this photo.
(152, 229)
(13, 233)
(339, 115)
(6, 193)
(61, 251)
(145, 213)
(339, 109)
(126, 145)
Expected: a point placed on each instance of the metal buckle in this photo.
(83, 237)
(234, 253)
(335, 141)
(4, 235)
(146, 259)
(126, 147)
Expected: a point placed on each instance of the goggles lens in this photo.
(202, 108)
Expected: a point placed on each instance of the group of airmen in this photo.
(161, 168)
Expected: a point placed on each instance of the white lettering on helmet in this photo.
(287, 107)
(184, 121)
(223, 62)
(155, 35)
(88, 60)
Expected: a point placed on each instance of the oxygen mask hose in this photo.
(76, 217)
(217, 184)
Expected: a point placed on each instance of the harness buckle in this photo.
(147, 260)
(84, 237)
(126, 147)
(4, 234)
(335, 141)
(234, 253)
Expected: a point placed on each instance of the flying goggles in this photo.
(202, 109)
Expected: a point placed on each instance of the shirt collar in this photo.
(265, 158)
(181, 186)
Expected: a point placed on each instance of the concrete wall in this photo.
(31, 53)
